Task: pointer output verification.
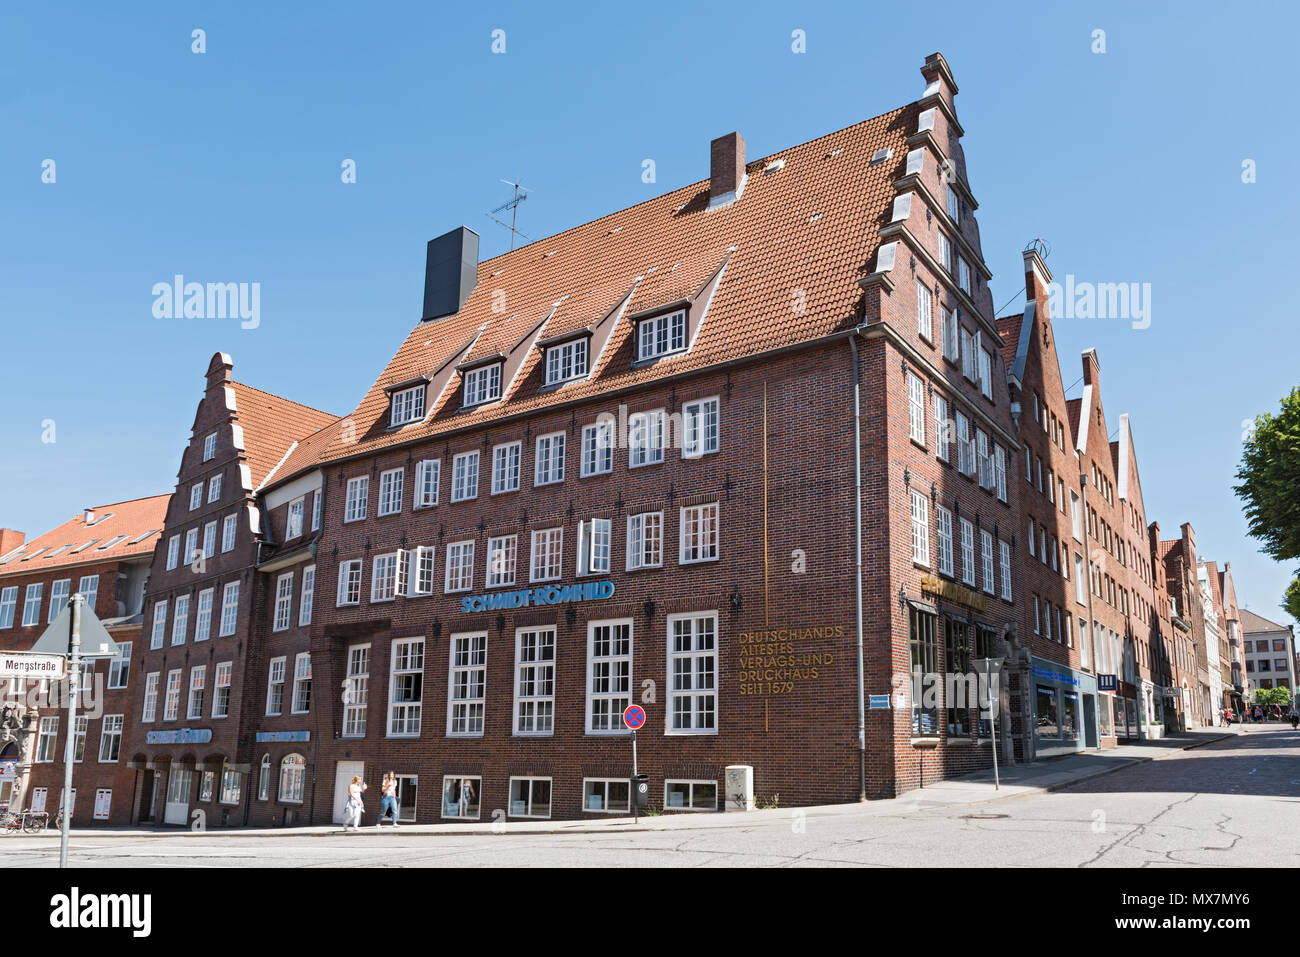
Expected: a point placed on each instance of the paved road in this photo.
(1233, 803)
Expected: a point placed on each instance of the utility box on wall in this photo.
(739, 779)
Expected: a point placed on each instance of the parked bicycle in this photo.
(30, 822)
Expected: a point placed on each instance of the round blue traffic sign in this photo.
(634, 716)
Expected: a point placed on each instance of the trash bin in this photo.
(640, 790)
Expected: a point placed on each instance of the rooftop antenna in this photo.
(513, 206)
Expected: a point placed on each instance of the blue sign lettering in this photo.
(544, 595)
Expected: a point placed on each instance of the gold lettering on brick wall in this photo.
(931, 585)
(776, 661)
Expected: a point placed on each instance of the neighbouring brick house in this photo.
(1236, 674)
(104, 554)
(1187, 614)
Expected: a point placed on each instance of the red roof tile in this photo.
(133, 526)
(271, 425)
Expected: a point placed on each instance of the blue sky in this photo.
(225, 166)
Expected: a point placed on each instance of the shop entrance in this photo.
(1090, 720)
(178, 797)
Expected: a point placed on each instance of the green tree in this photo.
(1271, 696)
(1291, 602)
(1270, 480)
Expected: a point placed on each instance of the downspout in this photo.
(857, 577)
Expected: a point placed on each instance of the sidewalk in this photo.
(1049, 774)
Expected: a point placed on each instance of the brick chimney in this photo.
(10, 539)
(726, 170)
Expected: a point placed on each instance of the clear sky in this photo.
(225, 166)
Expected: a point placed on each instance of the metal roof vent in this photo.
(879, 156)
(775, 166)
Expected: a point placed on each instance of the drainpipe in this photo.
(857, 577)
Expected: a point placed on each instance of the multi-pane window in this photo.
(535, 684)
(230, 787)
(89, 588)
(945, 251)
(951, 341)
(119, 667)
(549, 463)
(983, 459)
(942, 428)
(172, 700)
(390, 491)
(354, 508)
(196, 495)
(483, 384)
(173, 551)
(923, 321)
(609, 666)
(229, 609)
(181, 619)
(505, 467)
(308, 594)
(546, 554)
(924, 641)
(198, 680)
(460, 567)
(79, 738)
(468, 684)
(597, 448)
(963, 275)
(699, 533)
(965, 453)
(283, 602)
(954, 207)
(421, 578)
(383, 578)
(692, 667)
(986, 373)
(568, 360)
(356, 692)
(8, 603)
(1004, 556)
(214, 488)
(407, 405)
(427, 474)
(645, 438)
(302, 683)
(209, 539)
(349, 583)
(645, 539)
(945, 541)
(1000, 471)
(221, 690)
(59, 593)
(228, 527)
(149, 710)
(316, 500)
(110, 739)
(920, 528)
(293, 522)
(464, 476)
(501, 558)
(275, 686)
(967, 552)
(159, 624)
(661, 335)
(986, 560)
(32, 604)
(593, 546)
(699, 428)
(209, 447)
(45, 737)
(293, 778)
(916, 408)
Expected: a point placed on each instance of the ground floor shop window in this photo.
(1070, 716)
(691, 795)
(1130, 711)
(264, 779)
(1104, 713)
(1049, 720)
(293, 776)
(956, 644)
(206, 783)
(606, 794)
(925, 659)
(1120, 730)
(229, 787)
(460, 797)
(530, 797)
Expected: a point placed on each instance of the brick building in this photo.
(1187, 614)
(104, 554)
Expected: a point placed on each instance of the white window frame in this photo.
(597, 449)
(383, 578)
(643, 428)
(356, 699)
(637, 550)
(534, 684)
(229, 527)
(221, 682)
(924, 319)
(301, 684)
(214, 488)
(283, 616)
(548, 462)
(229, 609)
(699, 533)
(701, 427)
(180, 619)
(694, 656)
(501, 560)
(464, 476)
(349, 583)
(209, 446)
(198, 684)
(307, 597)
(967, 551)
(391, 491)
(595, 546)
(920, 529)
(460, 556)
(661, 335)
(481, 385)
(1004, 555)
(407, 405)
(945, 542)
(506, 462)
(275, 675)
(467, 710)
(566, 361)
(603, 673)
(355, 501)
(915, 408)
(428, 473)
(546, 554)
(986, 559)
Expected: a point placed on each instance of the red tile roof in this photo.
(1252, 624)
(662, 251)
(1009, 329)
(139, 520)
(271, 426)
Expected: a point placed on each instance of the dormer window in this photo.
(661, 335)
(407, 405)
(566, 360)
(483, 384)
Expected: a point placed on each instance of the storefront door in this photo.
(178, 797)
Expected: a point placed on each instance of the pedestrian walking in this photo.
(387, 799)
(353, 808)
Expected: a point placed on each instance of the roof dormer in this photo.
(407, 402)
(481, 380)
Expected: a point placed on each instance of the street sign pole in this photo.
(636, 808)
(993, 725)
(74, 649)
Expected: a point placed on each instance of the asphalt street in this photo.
(1232, 803)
